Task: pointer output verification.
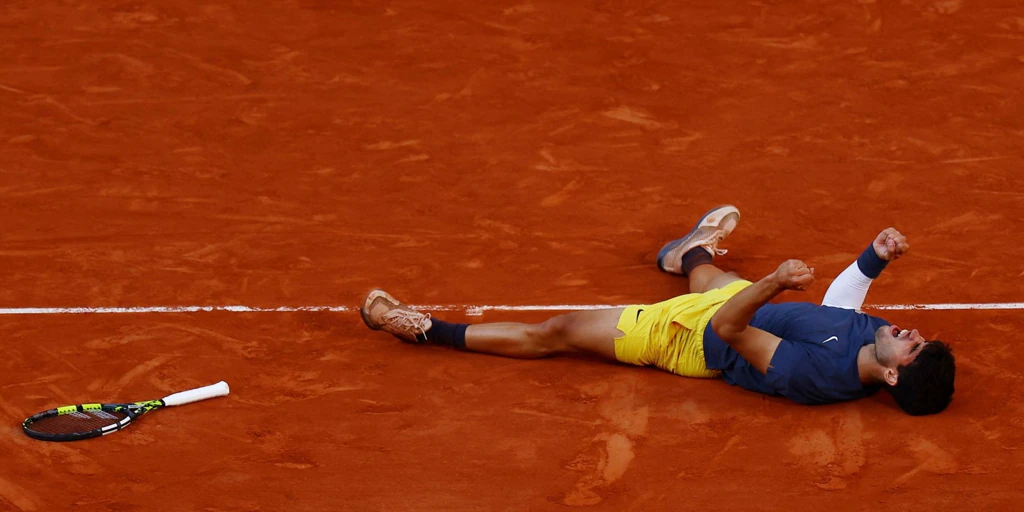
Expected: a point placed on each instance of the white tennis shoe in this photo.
(382, 312)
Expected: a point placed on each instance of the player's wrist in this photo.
(871, 263)
(775, 284)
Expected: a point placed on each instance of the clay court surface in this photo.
(476, 153)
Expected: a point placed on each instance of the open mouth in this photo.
(897, 333)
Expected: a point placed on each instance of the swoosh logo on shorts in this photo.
(833, 338)
(638, 314)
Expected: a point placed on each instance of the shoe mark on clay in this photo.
(634, 116)
(414, 158)
(602, 463)
(276, 448)
(18, 496)
(269, 389)
(387, 144)
(931, 459)
(246, 349)
(935, 7)
(219, 74)
(733, 442)
(972, 220)
(551, 164)
(519, 9)
(840, 453)
(609, 454)
(143, 369)
(889, 181)
(374, 407)
(570, 279)
(680, 144)
(293, 459)
(562, 195)
(45, 456)
(135, 335)
(148, 369)
(46, 379)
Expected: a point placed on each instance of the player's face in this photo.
(896, 347)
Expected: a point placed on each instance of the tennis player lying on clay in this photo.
(725, 327)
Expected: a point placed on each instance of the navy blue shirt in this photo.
(816, 362)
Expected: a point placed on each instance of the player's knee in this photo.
(551, 336)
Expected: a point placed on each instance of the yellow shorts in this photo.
(670, 334)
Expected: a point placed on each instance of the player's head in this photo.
(919, 373)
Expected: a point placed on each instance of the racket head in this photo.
(84, 421)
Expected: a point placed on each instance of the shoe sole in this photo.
(700, 228)
(367, 320)
(362, 310)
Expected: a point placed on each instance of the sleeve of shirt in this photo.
(849, 290)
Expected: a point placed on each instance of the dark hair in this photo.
(925, 386)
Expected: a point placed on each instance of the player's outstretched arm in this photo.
(732, 321)
(850, 289)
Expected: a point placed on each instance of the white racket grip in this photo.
(195, 395)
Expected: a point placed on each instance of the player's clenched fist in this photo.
(794, 275)
(890, 244)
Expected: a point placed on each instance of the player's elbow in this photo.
(728, 331)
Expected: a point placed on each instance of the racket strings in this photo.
(76, 422)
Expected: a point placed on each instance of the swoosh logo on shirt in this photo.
(638, 314)
(833, 338)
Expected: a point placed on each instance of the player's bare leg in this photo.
(588, 332)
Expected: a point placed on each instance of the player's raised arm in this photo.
(732, 321)
(850, 289)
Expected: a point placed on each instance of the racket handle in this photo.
(195, 395)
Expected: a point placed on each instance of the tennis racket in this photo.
(84, 421)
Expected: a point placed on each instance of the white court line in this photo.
(975, 305)
(472, 310)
